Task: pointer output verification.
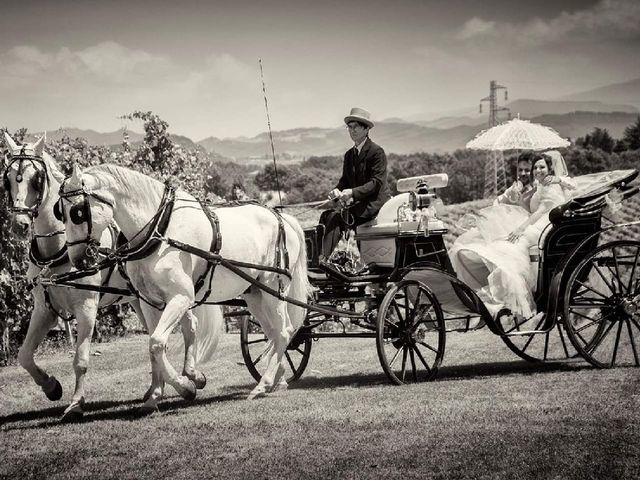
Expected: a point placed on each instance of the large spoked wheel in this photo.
(542, 347)
(602, 305)
(254, 346)
(410, 333)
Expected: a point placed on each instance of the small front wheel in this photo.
(410, 333)
(255, 347)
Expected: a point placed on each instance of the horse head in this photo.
(86, 212)
(25, 181)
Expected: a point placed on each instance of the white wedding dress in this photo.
(500, 271)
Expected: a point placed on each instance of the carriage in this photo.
(409, 298)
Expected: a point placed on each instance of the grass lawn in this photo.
(488, 415)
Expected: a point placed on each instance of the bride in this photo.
(493, 257)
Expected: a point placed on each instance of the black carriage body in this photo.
(412, 249)
(563, 247)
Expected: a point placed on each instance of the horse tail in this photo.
(209, 332)
(300, 289)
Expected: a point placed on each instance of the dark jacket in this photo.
(366, 176)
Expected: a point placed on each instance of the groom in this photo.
(520, 192)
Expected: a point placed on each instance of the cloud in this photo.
(106, 62)
(229, 70)
(219, 73)
(607, 20)
(112, 61)
(439, 59)
(474, 27)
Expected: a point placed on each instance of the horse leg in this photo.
(86, 319)
(189, 326)
(273, 317)
(155, 391)
(174, 310)
(281, 342)
(42, 320)
(149, 325)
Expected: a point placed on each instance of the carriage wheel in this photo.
(410, 333)
(602, 305)
(253, 344)
(542, 347)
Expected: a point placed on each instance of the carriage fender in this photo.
(450, 291)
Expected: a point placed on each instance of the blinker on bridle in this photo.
(37, 181)
(79, 214)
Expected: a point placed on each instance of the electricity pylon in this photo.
(495, 181)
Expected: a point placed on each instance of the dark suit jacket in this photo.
(366, 175)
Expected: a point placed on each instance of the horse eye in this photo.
(36, 182)
(77, 214)
(57, 211)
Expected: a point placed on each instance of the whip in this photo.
(273, 152)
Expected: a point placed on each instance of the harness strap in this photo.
(157, 229)
(59, 258)
(281, 247)
(49, 305)
(216, 245)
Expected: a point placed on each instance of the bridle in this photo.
(80, 213)
(37, 181)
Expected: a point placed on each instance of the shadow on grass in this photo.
(112, 410)
(455, 372)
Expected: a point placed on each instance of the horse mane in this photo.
(52, 170)
(130, 181)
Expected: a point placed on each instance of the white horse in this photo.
(249, 233)
(33, 179)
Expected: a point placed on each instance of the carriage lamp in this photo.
(418, 201)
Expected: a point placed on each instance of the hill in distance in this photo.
(613, 107)
(91, 136)
(401, 137)
(528, 109)
(626, 92)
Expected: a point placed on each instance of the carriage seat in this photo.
(577, 219)
(412, 212)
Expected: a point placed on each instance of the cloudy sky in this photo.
(81, 63)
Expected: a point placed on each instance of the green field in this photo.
(488, 415)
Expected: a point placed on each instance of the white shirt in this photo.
(359, 146)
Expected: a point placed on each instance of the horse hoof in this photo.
(200, 380)
(188, 392)
(280, 387)
(257, 393)
(74, 412)
(52, 389)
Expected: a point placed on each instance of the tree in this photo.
(267, 179)
(631, 136)
(599, 138)
(157, 150)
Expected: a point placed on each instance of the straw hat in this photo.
(359, 115)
